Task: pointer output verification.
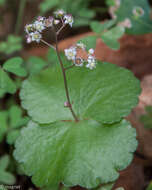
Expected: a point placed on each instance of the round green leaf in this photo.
(14, 65)
(105, 94)
(99, 27)
(84, 153)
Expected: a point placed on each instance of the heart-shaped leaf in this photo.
(105, 94)
(14, 65)
(83, 153)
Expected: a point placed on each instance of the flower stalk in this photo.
(34, 33)
(65, 80)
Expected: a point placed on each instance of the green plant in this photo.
(10, 123)
(5, 176)
(131, 17)
(108, 32)
(149, 186)
(15, 66)
(77, 134)
(137, 12)
(146, 119)
(12, 45)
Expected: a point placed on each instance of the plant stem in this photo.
(20, 16)
(51, 46)
(65, 80)
(71, 66)
(60, 29)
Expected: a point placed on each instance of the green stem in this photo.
(20, 16)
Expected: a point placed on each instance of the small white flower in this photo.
(138, 11)
(126, 23)
(49, 21)
(70, 53)
(28, 39)
(36, 36)
(78, 62)
(91, 65)
(39, 26)
(56, 21)
(68, 19)
(40, 18)
(59, 13)
(81, 45)
(91, 58)
(91, 51)
(91, 62)
(29, 28)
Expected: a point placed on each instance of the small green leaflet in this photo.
(2, 93)
(15, 66)
(99, 27)
(105, 187)
(146, 119)
(13, 44)
(10, 122)
(15, 117)
(6, 82)
(12, 136)
(110, 38)
(84, 153)
(2, 2)
(5, 176)
(3, 124)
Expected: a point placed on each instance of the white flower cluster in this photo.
(113, 9)
(71, 54)
(34, 30)
(126, 23)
